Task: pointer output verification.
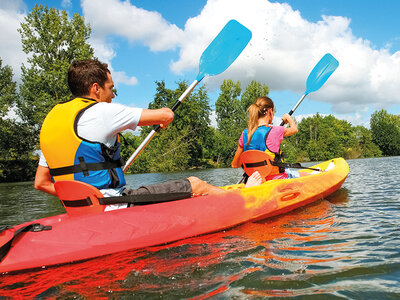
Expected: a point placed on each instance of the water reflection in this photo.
(258, 255)
(20, 202)
(345, 246)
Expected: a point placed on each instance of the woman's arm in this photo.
(292, 129)
(236, 158)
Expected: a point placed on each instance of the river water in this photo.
(346, 246)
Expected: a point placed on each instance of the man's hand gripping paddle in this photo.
(318, 76)
(217, 57)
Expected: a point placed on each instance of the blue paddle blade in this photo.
(224, 49)
(321, 72)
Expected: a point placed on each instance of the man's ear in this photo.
(94, 91)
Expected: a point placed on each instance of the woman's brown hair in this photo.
(258, 109)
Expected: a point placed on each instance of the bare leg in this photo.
(203, 188)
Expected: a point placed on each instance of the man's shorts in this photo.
(173, 186)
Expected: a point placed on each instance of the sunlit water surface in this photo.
(346, 246)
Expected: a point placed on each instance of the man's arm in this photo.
(162, 116)
(43, 181)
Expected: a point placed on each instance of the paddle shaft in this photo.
(157, 127)
(292, 166)
(318, 76)
(215, 59)
(294, 108)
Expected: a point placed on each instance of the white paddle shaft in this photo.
(297, 104)
(153, 132)
(294, 108)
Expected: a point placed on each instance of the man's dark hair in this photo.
(83, 73)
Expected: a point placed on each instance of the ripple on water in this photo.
(344, 247)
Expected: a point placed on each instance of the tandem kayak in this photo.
(69, 238)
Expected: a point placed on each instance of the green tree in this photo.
(16, 158)
(385, 130)
(364, 146)
(227, 106)
(182, 144)
(8, 93)
(229, 122)
(192, 120)
(129, 143)
(320, 138)
(232, 116)
(254, 90)
(15, 138)
(52, 41)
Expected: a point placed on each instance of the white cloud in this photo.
(66, 4)
(285, 47)
(213, 119)
(12, 5)
(283, 50)
(103, 50)
(105, 53)
(11, 53)
(120, 18)
(121, 77)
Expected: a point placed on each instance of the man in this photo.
(79, 138)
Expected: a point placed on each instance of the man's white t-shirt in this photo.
(102, 123)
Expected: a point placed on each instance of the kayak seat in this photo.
(256, 160)
(79, 198)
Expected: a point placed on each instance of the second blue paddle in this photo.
(318, 76)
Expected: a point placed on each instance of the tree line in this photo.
(190, 141)
(52, 41)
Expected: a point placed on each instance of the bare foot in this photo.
(200, 187)
(254, 179)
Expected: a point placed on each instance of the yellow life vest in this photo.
(258, 142)
(69, 157)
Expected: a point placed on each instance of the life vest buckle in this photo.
(36, 227)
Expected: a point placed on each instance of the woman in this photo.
(261, 135)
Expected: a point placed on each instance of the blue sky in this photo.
(147, 41)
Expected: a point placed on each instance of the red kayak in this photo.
(73, 237)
